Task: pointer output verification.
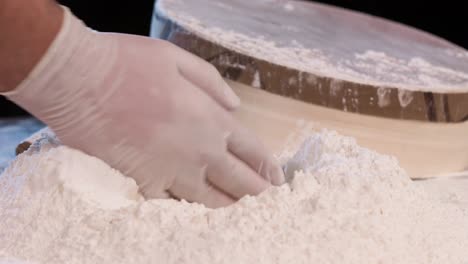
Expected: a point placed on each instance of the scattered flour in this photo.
(288, 7)
(347, 205)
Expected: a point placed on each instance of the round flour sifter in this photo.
(395, 89)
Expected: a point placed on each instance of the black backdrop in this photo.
(447, 19)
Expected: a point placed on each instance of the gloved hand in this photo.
(151, 110)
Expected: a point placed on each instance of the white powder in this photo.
(349, 205)
(288, 7)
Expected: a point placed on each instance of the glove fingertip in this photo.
(277, 175)
(232, 99)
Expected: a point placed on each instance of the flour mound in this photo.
(345, 204)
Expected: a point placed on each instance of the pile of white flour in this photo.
(350, 205)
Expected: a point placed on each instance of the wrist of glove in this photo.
(149, 109)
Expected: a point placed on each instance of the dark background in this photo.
(447, 19)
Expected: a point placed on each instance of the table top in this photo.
(12, 132)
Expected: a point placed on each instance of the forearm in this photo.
(27, 28)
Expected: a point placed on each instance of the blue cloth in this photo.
(12, 132)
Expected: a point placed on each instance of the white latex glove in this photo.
(149, 109)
